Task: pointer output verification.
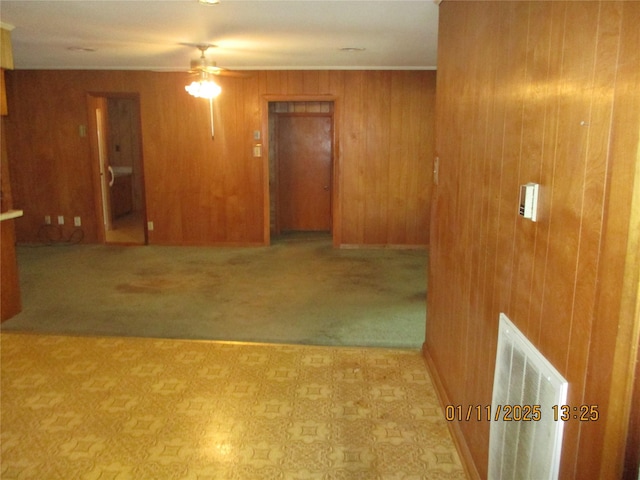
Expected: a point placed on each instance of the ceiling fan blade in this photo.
(228, 73)
(205, 65)
(218, 71)
(211, 69)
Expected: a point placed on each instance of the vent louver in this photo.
(523, 377)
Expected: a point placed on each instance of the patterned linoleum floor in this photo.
(132, 408)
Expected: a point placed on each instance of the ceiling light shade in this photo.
(204, 89)
(208, 2)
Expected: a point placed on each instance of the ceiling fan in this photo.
(204, 65)
(204, 86)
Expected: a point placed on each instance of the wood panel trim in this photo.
(298, 98)
(622, 411)
(389, 246)
(632, 455)
(266, 198)
(454, 427)
(622, 237)
(94, 102)
(4, 109)
(336, 204)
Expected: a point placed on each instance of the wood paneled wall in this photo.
(544, 92)
(201, 191)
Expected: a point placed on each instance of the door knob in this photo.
(326, 188)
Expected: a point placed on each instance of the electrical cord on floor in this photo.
(53, 235)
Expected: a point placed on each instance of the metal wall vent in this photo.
(523, 443)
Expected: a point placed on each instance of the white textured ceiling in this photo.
(266, 34)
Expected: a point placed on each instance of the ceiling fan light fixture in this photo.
(208, 2)
(203, 89)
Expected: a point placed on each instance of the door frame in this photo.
(99, 100)
(98, 129)
(336, 209)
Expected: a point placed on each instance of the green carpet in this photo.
(299, 290)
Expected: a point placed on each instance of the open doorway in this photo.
(117, 157)
(301, 151)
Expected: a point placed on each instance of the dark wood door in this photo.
(305, 150)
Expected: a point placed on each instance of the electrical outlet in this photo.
(47, 219)
(60, 219)
(150, 226)
(77, 222)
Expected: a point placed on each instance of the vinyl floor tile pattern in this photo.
(136, 408)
